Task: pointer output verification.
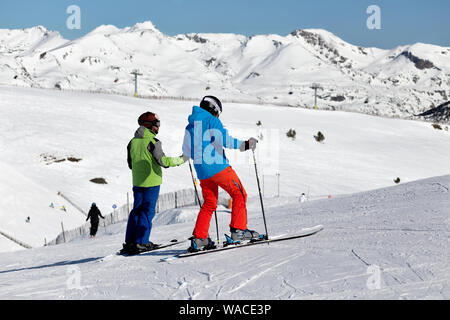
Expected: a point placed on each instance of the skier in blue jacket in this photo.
(204, 142)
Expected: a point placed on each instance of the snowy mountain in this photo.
(401, 82)
(390, 243)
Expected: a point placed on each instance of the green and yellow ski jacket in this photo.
(146, 157)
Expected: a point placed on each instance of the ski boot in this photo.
(198, 244)
(240, 236)
(131, 249)
(146, 247)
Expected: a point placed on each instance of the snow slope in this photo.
(22, 198)
(390, 243)
(401, 82)
(41, 129)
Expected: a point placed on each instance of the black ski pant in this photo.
(94, 227)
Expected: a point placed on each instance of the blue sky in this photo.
(402, 21)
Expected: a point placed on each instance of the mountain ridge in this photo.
(398, 82)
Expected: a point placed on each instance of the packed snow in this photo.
(23, 198)
(390, 243)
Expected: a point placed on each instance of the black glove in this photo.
(249, 144)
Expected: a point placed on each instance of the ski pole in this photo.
(194, 181)
(260, 196)
(195, 185)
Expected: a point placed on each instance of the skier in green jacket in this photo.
(145, 159)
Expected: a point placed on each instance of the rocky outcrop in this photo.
(420, 64)
(438, 114)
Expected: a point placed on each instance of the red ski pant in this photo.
(229, 181)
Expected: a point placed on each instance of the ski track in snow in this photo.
(259, 274)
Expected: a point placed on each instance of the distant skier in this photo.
(145, 159)
(93, 214)
(28, 220)
(204, 142)
(303, 198)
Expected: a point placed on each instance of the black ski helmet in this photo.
(212, 105)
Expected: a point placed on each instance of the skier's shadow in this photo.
(164, 253)
(56, 264)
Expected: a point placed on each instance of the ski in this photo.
(305, 232)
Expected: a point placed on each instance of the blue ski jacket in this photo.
(204, 141)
